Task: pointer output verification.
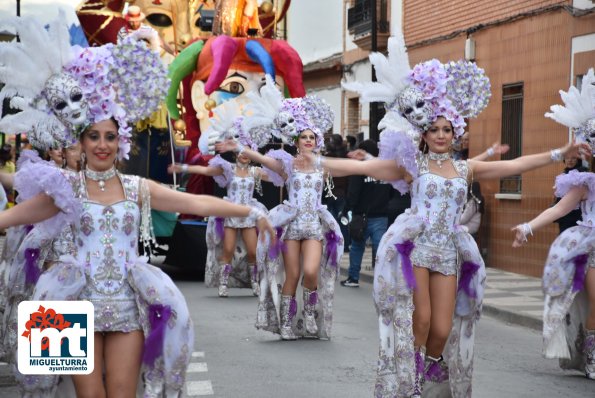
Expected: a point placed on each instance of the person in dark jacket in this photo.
(369, 198)
(336, 148)
(570, 219)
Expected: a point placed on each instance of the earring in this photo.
(83, 161)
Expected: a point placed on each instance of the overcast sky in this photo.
(45, 10)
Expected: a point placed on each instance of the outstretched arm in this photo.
(496, 148)
(380, 169)
(273, 164)
(505, 168)
(166, 199)
(563, 207)
(203, 170)
(34, 210)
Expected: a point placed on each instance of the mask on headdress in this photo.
(65, 98)
(413, 107)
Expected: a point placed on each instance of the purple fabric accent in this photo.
(397, 146)
(279, 246)
(227, 269)
(468, 271)
(255, 272)
(224, 179)
(313, 297)
(220, 227)
(578, 280)
(32, 271)
(419, 362)
(292, 308)
(437, 373)
(332, 240)
(575, 178)
(158, 317)
(405, 250)
(28, 228)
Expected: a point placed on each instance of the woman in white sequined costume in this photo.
(309, 239)
(231, 242)
(569, 273)
(429, 275)
(100, 263)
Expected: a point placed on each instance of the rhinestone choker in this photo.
(100, 176)
(242, 166)
(439, 157)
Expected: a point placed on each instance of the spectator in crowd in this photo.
(367, 199)
(570, 219)
(335, 148)
(6, 159)
(351, 142)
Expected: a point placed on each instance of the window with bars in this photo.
(353, 116)
(512, 131)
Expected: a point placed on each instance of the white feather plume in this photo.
(391, 73)
(221, 125)
(579, 106)
(263, 109)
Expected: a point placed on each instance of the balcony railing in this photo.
(359, 17)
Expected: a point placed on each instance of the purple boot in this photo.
(436, 369)
(418, 383)
(589, 350)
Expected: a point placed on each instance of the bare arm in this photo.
(505, 168)
(203, 170)
(496, 148)
(273, 164)
(7, 180)
(563, 207)
(380, 169)
(34, 210)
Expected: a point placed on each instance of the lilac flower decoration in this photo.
(468, 87)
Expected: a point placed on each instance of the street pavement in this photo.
(232, 359)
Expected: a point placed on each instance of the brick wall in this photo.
(433, 18)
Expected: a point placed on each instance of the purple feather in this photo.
(332, 240)
(158, 317)
(580, 263)
(219, 227)
(292, 308)
(32, 271)
(279, 246)
(468, 271)
(405, 250)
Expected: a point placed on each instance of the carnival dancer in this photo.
(308, 235)
(420, 304)
(143, 330)
(569, 273)
(231, 242)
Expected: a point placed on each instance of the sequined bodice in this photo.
(305, 192)
(106, 238)
(439, 201)
(241, 189)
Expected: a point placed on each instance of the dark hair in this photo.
(5, 153)
(351, 140)
(335, 147)
(89, 126)
(369, 146)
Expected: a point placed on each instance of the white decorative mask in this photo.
(65, 98)
(413, 106)
(286, 123)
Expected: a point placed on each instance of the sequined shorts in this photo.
(300, 230)
(436, 259)
(239, 222)
(591, 262)
(116, 316)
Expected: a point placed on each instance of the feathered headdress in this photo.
(578, 112)
(420, 94)
(285, 118)
(60, 90)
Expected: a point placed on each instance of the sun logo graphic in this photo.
(55, 337)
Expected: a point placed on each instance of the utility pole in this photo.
(17, 138)
(373, 119)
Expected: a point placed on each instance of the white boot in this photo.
(288, 311)
(223, 279)
(589, 350)
(310, 300)
(420, 378)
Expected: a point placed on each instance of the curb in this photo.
(501, 314)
